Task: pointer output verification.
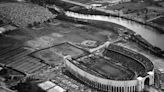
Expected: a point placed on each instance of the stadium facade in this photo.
(102, 68)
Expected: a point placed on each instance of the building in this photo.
(112, 68)
(49, 86)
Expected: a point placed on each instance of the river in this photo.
(148, 33)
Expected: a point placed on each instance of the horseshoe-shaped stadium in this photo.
(112, 68)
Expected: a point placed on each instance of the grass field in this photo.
(111, 70)
(62, 31)
(49, 57)
(50, 34)
(68, 49)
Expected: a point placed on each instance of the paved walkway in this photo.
(154, 18)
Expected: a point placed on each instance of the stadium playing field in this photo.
(111, 70)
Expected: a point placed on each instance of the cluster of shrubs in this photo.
(24, 14)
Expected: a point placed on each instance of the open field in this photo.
(68, 49)
(113, 71)
(54, 55)
(16, 46)
(66, 31)
(49, 57)
(50, 34)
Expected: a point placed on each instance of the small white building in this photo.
(49, 86)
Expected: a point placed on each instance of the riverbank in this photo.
(90, 19)
(87, 9)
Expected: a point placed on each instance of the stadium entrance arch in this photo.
(147, 81)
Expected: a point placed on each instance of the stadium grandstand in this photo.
(112, 68)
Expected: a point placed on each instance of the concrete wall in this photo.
(141, 80)
(102, 83)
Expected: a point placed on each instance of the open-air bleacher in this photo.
(140, 58)
(126, 62)
(91, 60)
(128, 58)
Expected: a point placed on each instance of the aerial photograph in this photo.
(81, 45)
